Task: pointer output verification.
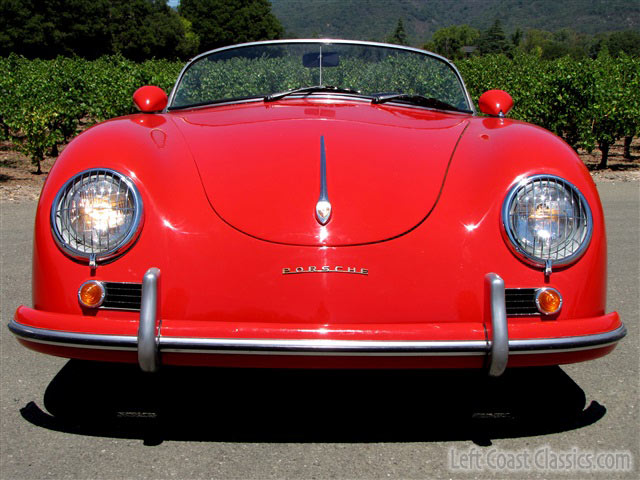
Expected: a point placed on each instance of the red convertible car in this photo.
(319, 204)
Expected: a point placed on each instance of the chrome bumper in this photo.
(149, 343)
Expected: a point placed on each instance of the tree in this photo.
(141, 29)
(399, 37)
(549, 46)
(627, 147)
(569, 42)
(616, 43)
(516, 38)
(190, 43)
(91, 28)
(78, 27)
(535, 41)
(449, 41)
(494, 40)
(225, 22)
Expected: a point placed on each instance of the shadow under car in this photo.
(258, 405)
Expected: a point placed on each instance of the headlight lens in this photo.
(547, 219)
(96, 213)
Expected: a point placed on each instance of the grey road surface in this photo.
(65, 419)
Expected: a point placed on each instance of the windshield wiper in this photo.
(317, 88)
(417, 100)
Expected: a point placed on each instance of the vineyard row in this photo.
(589, 102)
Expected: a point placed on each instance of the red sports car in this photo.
(319, 203)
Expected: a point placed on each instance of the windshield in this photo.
(260, 70)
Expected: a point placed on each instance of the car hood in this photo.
(260, 165)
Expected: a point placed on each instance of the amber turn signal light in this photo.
(548, 301)
(91, 294)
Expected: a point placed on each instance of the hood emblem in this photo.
(323, 207)
(323, 211)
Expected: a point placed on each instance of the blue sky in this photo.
(173, 3)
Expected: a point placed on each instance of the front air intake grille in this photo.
(122, 296)
(521, 301)
(127, 296)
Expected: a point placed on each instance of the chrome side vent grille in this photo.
(521, 301)
(122, 296)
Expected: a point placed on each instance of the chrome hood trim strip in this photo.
(323, 207)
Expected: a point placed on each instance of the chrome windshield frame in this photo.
(320, 41)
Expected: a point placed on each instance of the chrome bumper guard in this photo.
(149, 343)
(499, 353)
(149, 328)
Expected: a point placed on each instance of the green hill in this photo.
(376, 19)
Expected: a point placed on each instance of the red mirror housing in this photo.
(495, 102)
(150, 99)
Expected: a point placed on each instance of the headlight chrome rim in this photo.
(516, 245)
(132, 232)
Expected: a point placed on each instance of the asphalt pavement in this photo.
(66, 419)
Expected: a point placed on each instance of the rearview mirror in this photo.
(329, 59)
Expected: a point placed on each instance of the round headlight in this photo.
(96, 214)
(547, 220)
